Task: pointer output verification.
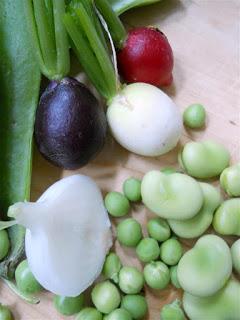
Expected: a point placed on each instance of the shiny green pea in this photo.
(129, 232)
(136, 305)
(174, 278)
(148, 250)
(194, 116)
(89, 314)
(112, 267)
(116, 204)
(131, 280)
(158, 229)
(69, 305)
(25, 280)
(171, 251)
(132, 189)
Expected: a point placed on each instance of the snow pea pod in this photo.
(19, 88)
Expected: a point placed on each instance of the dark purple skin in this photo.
(70, 125)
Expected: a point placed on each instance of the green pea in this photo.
(136, 305)
(131, 280)
(158, 229)
(194, 116)
(172, 311)
(68, 305)
(25, 280)
(204, 160)
(112, 267)
(235, 251)
(230, 180)
(105, 297)
(156, 275)
(5, 313)
(205, 269)
(148, 250)
(118, 314)
(171, 251)
(227, 217)
(89, 314)
(132, 189)
(4, 244)
(171, 196)
(129, 232)
(117, 204)
(168, 170)
(197, 225)
(174, 278)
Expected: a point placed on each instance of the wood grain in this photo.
(204, 35)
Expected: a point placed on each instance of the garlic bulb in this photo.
(68, 235)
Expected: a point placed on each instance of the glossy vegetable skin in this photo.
(19, 89)
(69, 305)
(230, 180)
(70, 126)
(146, 56)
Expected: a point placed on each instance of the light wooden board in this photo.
(204, 35)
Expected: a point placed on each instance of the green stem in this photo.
(46, 37)
(84, 53)
(115, 25)
(23, 295)
(101, 54)
(29, 14)
(61, 38)
(7, 224)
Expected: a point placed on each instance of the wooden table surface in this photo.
(205, 37)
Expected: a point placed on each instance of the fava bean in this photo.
(205, 269)
(171, 196)
(235, 251)
(230, 180)
(197, 225)
(204, 160)
(226, 220)
(224, 304)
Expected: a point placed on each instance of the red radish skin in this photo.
(146, 57)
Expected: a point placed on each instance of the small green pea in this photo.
(129, 232)
(174, 278)
(5, 313)
(105, 297)
(132, 189)
(148, 250)
(4, 244)
(69, 305)
(117, 204)
(158, 229)
(156, 275)
(112, 267)
(89, 314)
(172, 311)
(171, 251)
(194, 116)
(25, 280)
(131, 280)
(136, 305)
(118, 314)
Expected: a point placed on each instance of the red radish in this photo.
(146, 57)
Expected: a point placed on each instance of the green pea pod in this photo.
(226, 220)
(221, 306)
(230, 180)
(19, 89)
(205, 269)
(197, 225)
(204, 160)
(120, 6)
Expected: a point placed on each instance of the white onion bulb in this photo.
(144, 120)
(68, 235)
